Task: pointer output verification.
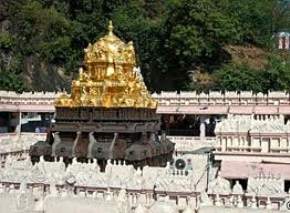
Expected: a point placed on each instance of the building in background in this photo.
(283, 40)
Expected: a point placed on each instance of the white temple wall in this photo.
(247, 134)
(151, 187)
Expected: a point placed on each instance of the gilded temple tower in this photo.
(109, 114)
(109, 78)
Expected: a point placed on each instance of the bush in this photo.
(11, 81)
(6, 40)
(238, 77)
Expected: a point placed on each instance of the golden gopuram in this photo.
(109, 77)
(109, 114)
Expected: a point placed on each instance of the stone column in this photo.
(202, 128)
(287, 42)
(280, 41)
(224, 144)
(18, 127)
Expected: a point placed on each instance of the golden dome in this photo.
(110, 49)
(109, 78)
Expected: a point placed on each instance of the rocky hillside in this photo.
(254, 57)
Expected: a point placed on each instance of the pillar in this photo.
(286, 42)
(224, 144)
(18, 126)
(280, 42)
(202, 127)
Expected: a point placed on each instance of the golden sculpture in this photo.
(109, 79)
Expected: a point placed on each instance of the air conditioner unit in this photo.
(181, 164)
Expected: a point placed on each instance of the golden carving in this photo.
(109, 78)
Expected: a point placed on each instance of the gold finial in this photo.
(110, 27)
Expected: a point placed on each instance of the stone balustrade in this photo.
(27, 97)
(187, 143)
(258, 145)
(27, 101)
(219, 98)
(237, 144)
(217, 102)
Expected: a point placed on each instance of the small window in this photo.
(287, 185)
(243, 182)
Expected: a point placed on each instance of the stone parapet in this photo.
(224, 98)
(211, 103)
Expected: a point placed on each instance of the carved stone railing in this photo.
(213, 98)
(187, 143)
(10, 97)
(231, 144)
(237, 143)
(249, 201)
(219, 98)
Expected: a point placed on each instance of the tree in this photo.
(173, 38)
(276, 75)
(195, 33)
(259, 20)
(233, 77)
(41, 31)
(11, 81)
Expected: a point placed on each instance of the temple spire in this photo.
(108, 79)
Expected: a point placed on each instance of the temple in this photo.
(231, 149)
(109, 115)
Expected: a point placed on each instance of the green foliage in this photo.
(238, 77)
(197, 30)
(11, 81)
(199, 27)
(6, 41)
(275, 76)
(173, 38)
(42, 31)
(259, 20)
